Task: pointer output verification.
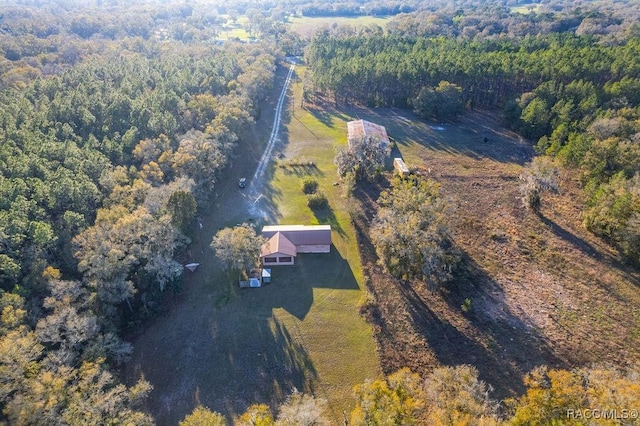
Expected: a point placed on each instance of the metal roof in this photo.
(363, 129)
(301, 234)
(278, 243)
(285, 228)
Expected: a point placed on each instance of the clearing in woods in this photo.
(542, 289)
(307, 26)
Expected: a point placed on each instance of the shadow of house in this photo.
(241, 354)
(329, 270)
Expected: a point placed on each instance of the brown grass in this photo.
(543, 290)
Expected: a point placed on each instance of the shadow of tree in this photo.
(301, 170)
(263, 206)
(239, 353)
(476, 134)
(322, 115)
(306, 127)
(625, 270)
(231, 362)
(571, 238)
(327, 216)
(420, 329)
(505, 344)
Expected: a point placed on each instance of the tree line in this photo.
(390, 70)
(456, 395)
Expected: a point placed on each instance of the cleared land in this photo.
(237, 29)
(228, 348)
(307, 26)
(526, 9)
(543, 290)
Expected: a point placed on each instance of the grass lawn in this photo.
(336, 338)
(232, 33)
(526, 9)
(227, 348)
(235, 30)
(307, 26)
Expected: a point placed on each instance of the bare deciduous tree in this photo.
(538, 176)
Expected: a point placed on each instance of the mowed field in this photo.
(235, 30)
(306, 26)
(227, 348)
(543, 290)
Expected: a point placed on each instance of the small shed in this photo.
(360, 129)
(253, 279)
(400, 167)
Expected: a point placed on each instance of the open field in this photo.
(525, 9)
(307, 26)
(228, 348)
(543, 290)
(235, 30)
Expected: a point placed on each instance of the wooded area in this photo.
(110, 139)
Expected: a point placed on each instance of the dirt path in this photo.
(266, 156)
(254, 190)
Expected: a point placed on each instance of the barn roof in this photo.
(278, 243)
(364, 129)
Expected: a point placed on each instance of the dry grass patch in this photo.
(543, 290)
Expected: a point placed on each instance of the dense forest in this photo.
(110, 140)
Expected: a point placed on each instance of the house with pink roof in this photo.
(284, 242)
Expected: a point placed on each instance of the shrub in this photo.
(466, 305)
(317, 201)
(309, 186)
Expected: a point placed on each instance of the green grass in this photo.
(307, 26)
(526, 9)
(237, 30)
(229, 33)
(227, 348)
(338, 341)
